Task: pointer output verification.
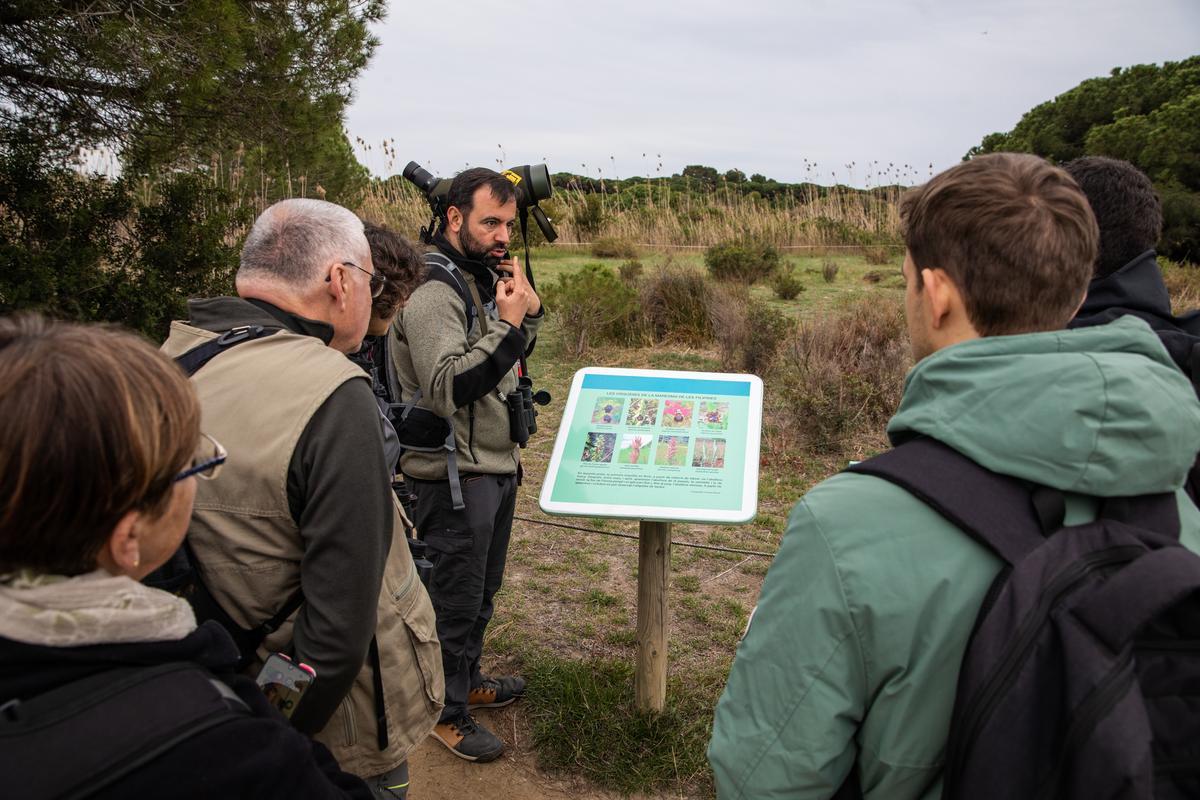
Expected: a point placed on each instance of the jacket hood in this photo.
(1137, 287)
(1100, 411)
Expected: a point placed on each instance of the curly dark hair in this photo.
(1126, 206)
(398, 260)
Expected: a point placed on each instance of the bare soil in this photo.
(436, 774)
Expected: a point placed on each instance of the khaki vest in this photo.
(257, 399)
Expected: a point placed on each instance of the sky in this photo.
(797, 90)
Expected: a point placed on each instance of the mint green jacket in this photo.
(854, 650)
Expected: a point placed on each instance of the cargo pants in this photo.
(468, 549)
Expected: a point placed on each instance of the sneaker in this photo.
(496, 692)
(468, 740)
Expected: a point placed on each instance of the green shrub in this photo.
(612, 247)
(631, 270)
(787, 284)
(829, 270)
(837, 232)
(593, 307)
(842, 374)
(588, 217)
(743, 261)
(675, 305)
(96, 250)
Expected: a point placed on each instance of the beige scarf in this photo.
(96, 608)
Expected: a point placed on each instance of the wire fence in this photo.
(778, 247)
(634, 536)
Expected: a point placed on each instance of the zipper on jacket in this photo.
(1108, 693)
(1026, 636)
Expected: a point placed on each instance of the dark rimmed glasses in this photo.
(377, 280)
(207, 461)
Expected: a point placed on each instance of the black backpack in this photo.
(1081, 678)
(82, 737)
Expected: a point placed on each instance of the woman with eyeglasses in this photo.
(107, 687)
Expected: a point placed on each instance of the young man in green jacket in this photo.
(854, 651)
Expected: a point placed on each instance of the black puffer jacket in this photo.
(252, 755)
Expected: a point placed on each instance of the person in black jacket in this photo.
(1127, 279)
(100, 452)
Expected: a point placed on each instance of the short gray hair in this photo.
(293, 239)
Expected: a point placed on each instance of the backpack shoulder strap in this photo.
(997, 511)
(198, 356)
(82, 737)
(443, 270)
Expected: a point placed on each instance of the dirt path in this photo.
(435, 774)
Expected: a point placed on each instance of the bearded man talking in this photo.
(458, 344)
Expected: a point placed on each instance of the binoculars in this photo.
(522, 416)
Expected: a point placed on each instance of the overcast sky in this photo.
(766, 86)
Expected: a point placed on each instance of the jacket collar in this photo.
(219, 314)
(1136, 287)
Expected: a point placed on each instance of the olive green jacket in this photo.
(854, 649)
(463, 375)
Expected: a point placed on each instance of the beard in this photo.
(475, 250)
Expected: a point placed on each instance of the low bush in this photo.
(743, 261)
(787, 284)
(593, 307)
(612, 247)
(879, 254)
(829, 270)
(748, 331)
(675, 305)
(631, 270)
(843, 373)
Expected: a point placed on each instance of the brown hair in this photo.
(398, 260)
(94, 423)
(1014, 234)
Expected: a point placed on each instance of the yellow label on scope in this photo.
(513, 177)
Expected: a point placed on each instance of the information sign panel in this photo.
(657, 445)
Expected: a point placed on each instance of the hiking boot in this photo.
(468, 740)
(496, 692)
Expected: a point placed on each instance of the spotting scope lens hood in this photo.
(532, 183)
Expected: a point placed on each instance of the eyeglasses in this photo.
(377, 280)
(207, 461)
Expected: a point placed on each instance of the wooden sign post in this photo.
(654, 576)
(656, 446)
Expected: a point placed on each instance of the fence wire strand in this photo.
(619, 535)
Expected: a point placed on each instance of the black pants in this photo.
(468, 549)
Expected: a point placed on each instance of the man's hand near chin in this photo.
(510, 271)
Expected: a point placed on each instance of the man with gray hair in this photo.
(302, 550)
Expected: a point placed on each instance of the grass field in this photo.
(567, 612)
